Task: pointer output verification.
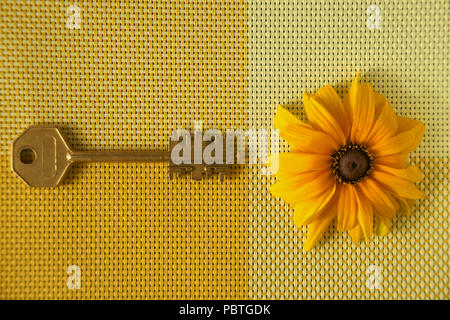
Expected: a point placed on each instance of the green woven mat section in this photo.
(298, 46)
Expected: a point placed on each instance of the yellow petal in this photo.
(323, 119)
(365, 215)
(385, 125)
(290, 163)
(404, 142)
(380, 100)
(303, 186)
(305, 212)
(350, 99)
(411, 173)
(385, 204)
(363, 114)
(309, 140)
(399, 160)
(317, 228)
(398, 186)
(381, 226)
(406, 205)
(347, 208)
(405, 124)
(356, 233)
(328, 98)
(284, 118)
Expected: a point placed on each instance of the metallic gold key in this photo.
(42, 156)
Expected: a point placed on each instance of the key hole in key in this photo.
(27, 156)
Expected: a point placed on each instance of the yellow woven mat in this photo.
(131, 74)
(134, 71)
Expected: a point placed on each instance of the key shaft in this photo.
(118, 156)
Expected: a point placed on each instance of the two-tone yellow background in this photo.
(136, 70)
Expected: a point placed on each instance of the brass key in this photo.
(42, 156)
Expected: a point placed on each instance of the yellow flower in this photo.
(348, 162)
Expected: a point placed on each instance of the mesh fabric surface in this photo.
(134, 71)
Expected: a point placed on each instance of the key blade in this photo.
(197, 171)
(39, 156)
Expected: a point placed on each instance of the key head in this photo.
(41, 156)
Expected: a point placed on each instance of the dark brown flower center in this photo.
(351, 163)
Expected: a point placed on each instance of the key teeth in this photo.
(205, 173)
(208, 172)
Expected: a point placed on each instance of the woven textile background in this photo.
(134, 71)
(302, 46)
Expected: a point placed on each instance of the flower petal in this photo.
(382, 201)
(305, 212)
(404, 142)
(317, 228)
(399, 160)
(303, 186)
(406, 205)
(405, 124)
(363, 114)
(350, 99)
(380, 100)
(305, 139)
(328, 98)
(385, 125)
(284, 118)
(289, 163)
(398, 186)
(365, 215)
(411, 173)
(356, 233)
(323, 119)
(381, 226)
(347, 208)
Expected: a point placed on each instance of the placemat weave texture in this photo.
(134, 71)
(131, 74)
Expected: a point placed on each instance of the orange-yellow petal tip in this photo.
(284, 118)
(308, 246)
(381, 227)
(356, 233)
